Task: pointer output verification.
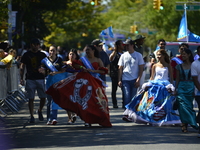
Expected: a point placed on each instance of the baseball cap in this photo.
(129, 41)
(139, 37)
(97, 42)
(35, 41)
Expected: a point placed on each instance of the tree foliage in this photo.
(125, 13)
(68, 26)
(64, 22)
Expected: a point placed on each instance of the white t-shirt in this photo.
(130, 63)
(195, 71)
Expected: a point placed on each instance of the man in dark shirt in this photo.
(139, 40)
(114, 58)
(34, 80)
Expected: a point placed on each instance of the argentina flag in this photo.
(108, 32)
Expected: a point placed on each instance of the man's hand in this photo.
(120, 83)
(41, 70)
(22, 82)
(137, 84)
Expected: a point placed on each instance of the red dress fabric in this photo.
(83, 94)
(173, 64)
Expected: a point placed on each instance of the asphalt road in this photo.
(17, 134)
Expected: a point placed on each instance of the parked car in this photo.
(174, 46)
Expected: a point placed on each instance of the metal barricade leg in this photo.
(11, 105)
(2, 110)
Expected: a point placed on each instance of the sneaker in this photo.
(32, 120)
(54, 122)
(49, 122)
(40, 116)
(74, 119)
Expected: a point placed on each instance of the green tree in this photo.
(124, 13)
(68, 26)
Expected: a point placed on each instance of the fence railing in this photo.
(11, 94)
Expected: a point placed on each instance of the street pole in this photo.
(186, 29)
(10, 22)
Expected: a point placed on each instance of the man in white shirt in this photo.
(195, 72)
(131, 65)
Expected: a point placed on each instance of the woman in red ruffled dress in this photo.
(83, 93)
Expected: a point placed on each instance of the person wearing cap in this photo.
(34, 79)
(131, 66)
(139, 40)
(103, 55)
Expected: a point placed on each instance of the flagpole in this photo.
(185, 9)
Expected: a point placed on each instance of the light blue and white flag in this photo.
(108, 32)
(183, 32)
(193, 37)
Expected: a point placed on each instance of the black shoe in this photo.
(32, 120)
(74, 119)
(115, 106)
(125, 118)
(40, 116)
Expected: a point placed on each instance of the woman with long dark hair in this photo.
(185, 91)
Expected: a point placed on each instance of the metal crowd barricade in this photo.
(11, 95)
(3, 84)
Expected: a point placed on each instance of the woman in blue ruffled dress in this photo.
(153, 104)
(185, 91)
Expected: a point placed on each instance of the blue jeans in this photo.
(128, 91)
(51, 114)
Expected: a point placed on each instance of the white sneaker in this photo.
(49, 122)
(54, 122)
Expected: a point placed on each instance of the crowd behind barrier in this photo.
(11, 94)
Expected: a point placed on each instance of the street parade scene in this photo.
(99, 74)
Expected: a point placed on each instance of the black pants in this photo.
(114, 90)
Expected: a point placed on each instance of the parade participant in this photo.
(185, 91)
(72, 55)
(83, 93)
(131, 65)
(52, 63)
(114, 58)
(102, 55)
(34, 79)
(178, 59)
(139, 41)
(195, 72)
(153, 104)
(160, 45)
